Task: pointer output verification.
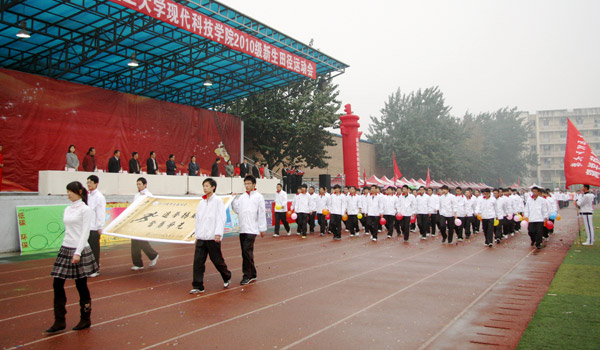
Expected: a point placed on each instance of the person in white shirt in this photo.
(405, 206)
(337, 206)
(477, 223)
(280, 214)
(486, 210)
(586, 210)
(374, 210)
(97, 203)
(461, 213)
(302, 207)
(388, 202)
(500, 213)
(536, 211)
(312, 204)
(518, 206)
(353, 207)
(470, 210)
(509, 223)
(137, 246)
(363, 198)
(447, 215)
(345, 193)
(210, 226)
(75, 259)
(322, 204)
(250, 207)
(434, 207)
(422, 205)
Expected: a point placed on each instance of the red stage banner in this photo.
(581, 164)
(187, 19)
(40, 117)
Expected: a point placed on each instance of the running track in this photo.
(310, 294)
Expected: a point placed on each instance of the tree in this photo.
(288, 125)
(418, 128)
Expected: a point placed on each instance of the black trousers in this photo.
(423, 222)
(212, 249)
(498, 229)
(476, 225)
(389, 224)
(247, 245)
(468, 222)
(397, 227)
(311, 221)
(507, 226)
(488, 230)
(301, 221)
(352, 224)
(434, 221)
(363, 222)
(94, 241)
(137, 247)
(535, 232)
(459, 229)
(447, 227)
(335, 225)
(405, 226)
(373, 225)
(322, 223)
(281, 217)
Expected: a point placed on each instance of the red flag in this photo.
(428, 181)
(581, 164)
(397, 173)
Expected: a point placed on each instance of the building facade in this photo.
(549, 139)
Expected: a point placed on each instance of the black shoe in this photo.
(497, 240)
(532, 244)
(83, 324)
(245, 281)
(490, 245)
(538, 246)
(443, 240)
(58, 325)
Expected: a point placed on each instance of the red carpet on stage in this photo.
(40, 117)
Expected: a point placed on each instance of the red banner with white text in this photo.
(581, 164)
(40, 117)
(187, 19)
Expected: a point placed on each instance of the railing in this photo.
(273, 174)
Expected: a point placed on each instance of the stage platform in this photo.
(312, 293)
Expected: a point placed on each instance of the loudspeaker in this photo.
(325, 181)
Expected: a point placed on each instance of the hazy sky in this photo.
(483, 54)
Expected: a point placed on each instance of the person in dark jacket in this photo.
(134, 164)
(171, 166)
(215, 168)
(151, 165)
(193, 167)
(244, 169)
(114, 163)
(256, 170)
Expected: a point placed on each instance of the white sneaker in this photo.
(95, 274)
(135, 268)
(154, 261)
(374, 239)
(289, 233)
(196, 291)
(423, 238)
(586, 243)
(275, 235)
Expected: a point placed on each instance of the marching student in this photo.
(434, 208)
(461, 213)
(280, 214)
(518, 207)
(500, 213)
(413, 225)
(397, 222)
(373, 209)
(210, 226)
(536, 211)
(447, 215)
(405, 206)
(353, 207)
(337, 206)
(302, 207)
(312, 204)
(422, 205)
(486, 210)
(586, 210)
(363, 198)
(477, 223)
(97, 203)
(509, 223)
(322, 203)
(470, 206)
(250, 207)
(137, 246)
(388, 202)
(75, 260)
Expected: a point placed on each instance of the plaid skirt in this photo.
(63, 268)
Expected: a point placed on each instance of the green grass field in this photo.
(568, 317)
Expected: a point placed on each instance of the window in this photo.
(563, 121)
(562, 147)
(534, 148)
(563, 135)
(546, 122)
(579, 120)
